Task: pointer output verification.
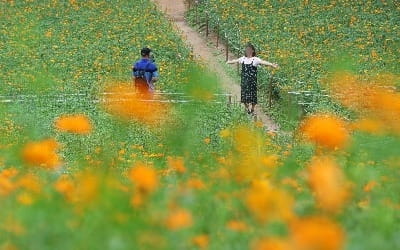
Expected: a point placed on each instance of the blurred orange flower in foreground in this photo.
(78, 124)
(6, 184)
(42, 153)
(272, 244)
(316, 233)
(123, 100)
(65, 186)
(325, 130)
(236, 225)
(144, 177)
(82, 188)
(249, 160)
(328, 184)
(30, 182)
(369, 125)
(176, 164)
(375, 99)
(179, 218)
(268, 202)
(201, 241)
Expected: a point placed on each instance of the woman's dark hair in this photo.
(249, 45)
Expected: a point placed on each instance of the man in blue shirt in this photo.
(144, 72)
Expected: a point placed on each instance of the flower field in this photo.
(81, 169)
(308, 39)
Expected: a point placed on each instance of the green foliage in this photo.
(308, 39)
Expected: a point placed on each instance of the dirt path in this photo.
(175, 9)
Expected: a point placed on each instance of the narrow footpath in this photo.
(175, 10)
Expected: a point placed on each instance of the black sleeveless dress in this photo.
(249, 83)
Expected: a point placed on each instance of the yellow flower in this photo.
(224, 133)
(270, 160)
(25, 198)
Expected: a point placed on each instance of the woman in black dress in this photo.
(248, 84)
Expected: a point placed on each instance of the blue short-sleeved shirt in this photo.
(147, 66)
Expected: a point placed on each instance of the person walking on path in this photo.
(145, 73)
(250, 62)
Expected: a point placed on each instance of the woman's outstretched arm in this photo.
(233, 61)
(266, 63)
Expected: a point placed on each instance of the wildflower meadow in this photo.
(86, 163)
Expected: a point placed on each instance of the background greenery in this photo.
(52, 48)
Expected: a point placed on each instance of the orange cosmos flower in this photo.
(201, 241)
(42, 153)
(88, 185)
(177, 164)
(369, 186)
(144, 178)
(236, 225)
(316, 233)
(270, 161)
(78, 124)
(292, 183)
(179, 219)
(65, 186)
(83, 188)
(372, 126)
(123, 100)
(267, 202)
(375, 99)
(328, 183)
(195, 183)
(8, 172)
(6, 184)
(325, 130)
(272, 244)
(30, 182)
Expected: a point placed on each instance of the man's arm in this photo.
(134, 70)
(155, 76)
(133, 74)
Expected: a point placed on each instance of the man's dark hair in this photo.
(145, 52)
